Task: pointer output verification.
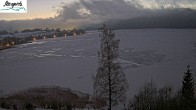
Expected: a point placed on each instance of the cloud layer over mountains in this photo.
(83, 12)
(100, 9)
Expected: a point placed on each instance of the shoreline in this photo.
(5, 47)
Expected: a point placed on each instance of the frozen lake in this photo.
(147, 54)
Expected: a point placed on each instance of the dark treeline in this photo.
(55, 98)
(4, 32)
(31, 30)
(150, 97)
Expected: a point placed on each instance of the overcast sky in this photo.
(78, 12)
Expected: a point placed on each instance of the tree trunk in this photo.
(110, 93)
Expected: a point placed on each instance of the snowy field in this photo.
(147, 54)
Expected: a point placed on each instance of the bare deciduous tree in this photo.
(146, 98)
(164, 98)
(110, 82)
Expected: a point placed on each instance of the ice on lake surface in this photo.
(146, 54)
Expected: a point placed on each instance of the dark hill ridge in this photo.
(178, 18)
(47, 97)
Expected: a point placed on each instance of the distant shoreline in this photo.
(6, 47)
(30, 36)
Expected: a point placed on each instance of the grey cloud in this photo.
(70, 11)
(99, 9)
(102, 10)
(112, 9)
(168, 3)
